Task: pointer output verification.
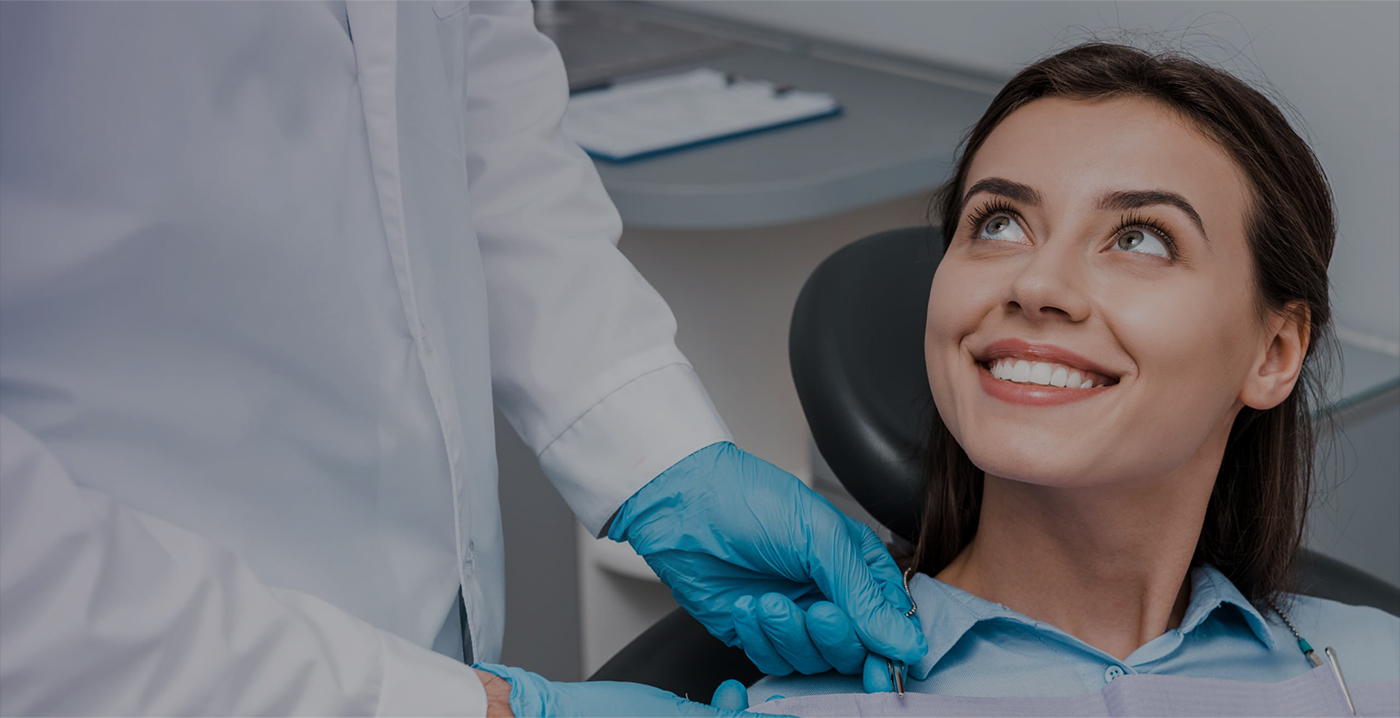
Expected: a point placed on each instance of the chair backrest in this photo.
(856, 349)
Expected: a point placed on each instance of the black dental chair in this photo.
(856, 349)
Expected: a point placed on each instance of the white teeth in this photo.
(1022, 371)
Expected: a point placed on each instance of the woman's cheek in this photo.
(1189, 345)
(936, 331)
(951, 312)
(962, 296)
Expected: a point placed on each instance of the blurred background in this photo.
(728, 232)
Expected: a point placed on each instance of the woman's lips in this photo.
(1033, 394)
(1016, 351)
(1034, 374)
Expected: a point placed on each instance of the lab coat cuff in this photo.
(419, 682)
(628, 439)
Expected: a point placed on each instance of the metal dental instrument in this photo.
(897, 672)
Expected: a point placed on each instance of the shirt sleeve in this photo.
(583, 354)
(104, 610)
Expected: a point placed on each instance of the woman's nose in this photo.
(1051, 285)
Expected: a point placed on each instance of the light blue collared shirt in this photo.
(984, 649)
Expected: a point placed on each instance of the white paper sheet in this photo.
(643, 117)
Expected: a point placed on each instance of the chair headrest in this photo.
(856, 350)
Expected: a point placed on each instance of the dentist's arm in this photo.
(107, 611)
(586, 369)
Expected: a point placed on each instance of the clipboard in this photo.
(640, 119)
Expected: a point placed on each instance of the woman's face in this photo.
(1093, 320)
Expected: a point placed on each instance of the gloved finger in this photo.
(734, 691)
(835, 637)
(882, 565)
(755, 642)
(731, 695)
(839, 568)
(786, 627)
(876, 676)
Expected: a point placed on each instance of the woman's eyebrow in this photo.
(1133, 199)
(1025, 194)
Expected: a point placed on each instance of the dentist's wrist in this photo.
(497, 695)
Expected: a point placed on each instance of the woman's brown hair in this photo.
(1254, 522)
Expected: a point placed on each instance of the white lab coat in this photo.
(259, 284)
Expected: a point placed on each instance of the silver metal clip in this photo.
(897, 672)
(897, 677)
(1337, 671)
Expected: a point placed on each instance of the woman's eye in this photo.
(1003, 227)
(1142, 242)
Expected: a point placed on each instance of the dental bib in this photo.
(1315, 693)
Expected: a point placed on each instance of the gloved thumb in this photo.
(731, 696)
(876, 676)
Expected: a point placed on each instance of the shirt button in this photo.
(1111, 673)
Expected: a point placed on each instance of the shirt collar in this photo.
(946, 613)
(1211, 590)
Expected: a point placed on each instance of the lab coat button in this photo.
(1111, 673)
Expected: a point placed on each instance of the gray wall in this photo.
(1356, 507)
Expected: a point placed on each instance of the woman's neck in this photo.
(1106, 564)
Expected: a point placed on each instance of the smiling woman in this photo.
(1123, 340)
(1161, 217)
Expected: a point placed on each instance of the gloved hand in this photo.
(779, 637)
(722, 527)
(532, 695)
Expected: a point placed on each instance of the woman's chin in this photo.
(1051, 469)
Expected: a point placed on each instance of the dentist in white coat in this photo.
(264, 268)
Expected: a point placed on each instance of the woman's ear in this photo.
(1280, 360)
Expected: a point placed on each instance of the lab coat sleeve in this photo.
(583, 354)
(104, 610)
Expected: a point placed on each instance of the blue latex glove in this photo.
(779, 637)
(764, 562)
(533, 695)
